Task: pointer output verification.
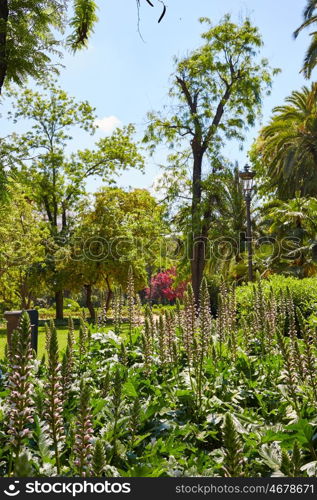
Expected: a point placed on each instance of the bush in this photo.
(303, 291)
(165, 288)
(71, 305)
(160, 308)
(46, 313)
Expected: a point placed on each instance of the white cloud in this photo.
(108, 123)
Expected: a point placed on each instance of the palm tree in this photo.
(310, 19)
(291, 228)
(287, 147)
(226, 256)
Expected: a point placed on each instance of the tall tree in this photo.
(216, 95)
(286, 151)
(57, 179)
(309, 19)
(123, 229)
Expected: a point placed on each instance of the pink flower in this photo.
(163, 286)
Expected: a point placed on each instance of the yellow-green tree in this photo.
(22, 250)
(54, 178)
(123, 229)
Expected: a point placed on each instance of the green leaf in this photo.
(129, 389)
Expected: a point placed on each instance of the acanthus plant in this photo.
(131, 303)
(83, 448)
(193, 395)
(98, 459)
(116, 409)
(117, 306)
(67, 369)
(20, 405)
(233, 449)
(83, 338)
(54, 401)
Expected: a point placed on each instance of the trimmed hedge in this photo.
(304, 293)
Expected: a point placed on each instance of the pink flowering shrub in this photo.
(163, 287)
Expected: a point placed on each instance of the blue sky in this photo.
(124, 77)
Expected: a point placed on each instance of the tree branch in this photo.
(220, 109)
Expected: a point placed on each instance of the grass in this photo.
(61, 335)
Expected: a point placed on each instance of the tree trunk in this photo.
(89, 304)
(59, 304)
(64, 217)
(108, 301)
(198, 264)
(4, 16)
(109, 294)
(197, 253)
(26, 302)
(29, 302)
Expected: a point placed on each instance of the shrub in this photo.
(165, 288)
(71, 305)
(303, 291)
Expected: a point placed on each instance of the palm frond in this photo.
(309, 9)
(310, 19)
(310, 60)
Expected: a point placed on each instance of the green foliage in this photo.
(233, 453)
(22, 252)
(98, 459)
(285, 150)
(139, 414)
(310, 19)
(55, 182)
(123, 229)
(291, 230)
(303, 292)
(28, 40)
(205, 73)
(82, 23)
(217, 92)
(31, 35)
(72, 305)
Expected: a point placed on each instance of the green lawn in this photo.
(62, 333)
(62, 340)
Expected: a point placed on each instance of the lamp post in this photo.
(247, 178)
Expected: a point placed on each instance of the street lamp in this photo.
(247, 178)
